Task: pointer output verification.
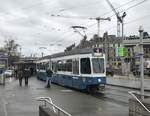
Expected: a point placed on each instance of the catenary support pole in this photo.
(141, 62)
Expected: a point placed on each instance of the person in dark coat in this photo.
(31, 71)
(16, 73)
(48, 78)
(20, 76)
(26, 75)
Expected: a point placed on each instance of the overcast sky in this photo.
(30, 23)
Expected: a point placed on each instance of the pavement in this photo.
(128, 82)
(21, 101)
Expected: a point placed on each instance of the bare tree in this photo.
(11, 48)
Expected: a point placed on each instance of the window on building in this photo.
(85, 66)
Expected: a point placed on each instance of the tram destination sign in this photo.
(98, 52)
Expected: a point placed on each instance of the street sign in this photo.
(120, 51)
(136, 49)
(136, 55)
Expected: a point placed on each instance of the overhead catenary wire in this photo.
(74, 17)
(116, 8)
(24, 8)
(95, 23)
(79, 6)
(131, 21)
(122, 11)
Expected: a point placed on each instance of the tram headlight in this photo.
(99, 80)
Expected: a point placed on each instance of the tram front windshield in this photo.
(98, 65)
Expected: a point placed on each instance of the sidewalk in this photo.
(128, 82)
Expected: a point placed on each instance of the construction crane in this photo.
(98, 23)
(98, 19)
(120, 19)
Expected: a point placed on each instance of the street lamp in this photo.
(141, 30)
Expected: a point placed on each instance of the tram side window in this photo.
(75, 67)
(59, 65)
(38, 67)
(65, 65)
(69, 65)
(42, 66)
(46, 65)
(54, 66)
(85, 66)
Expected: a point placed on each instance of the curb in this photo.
(135, 88)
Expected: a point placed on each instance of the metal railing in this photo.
(48, 100)
(133, 94)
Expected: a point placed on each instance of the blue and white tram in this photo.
(81, 71)
(41, 67)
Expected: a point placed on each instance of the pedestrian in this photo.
(48, 78)
(31, 71)
(20, 76)
(26, 76)
(16, 73)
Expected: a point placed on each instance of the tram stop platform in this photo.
(21, 101)
(128, 82)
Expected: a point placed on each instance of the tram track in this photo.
(108, 95)
(113, 94)
(110, 98)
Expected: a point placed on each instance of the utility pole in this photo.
(141, 30)
(105, 46)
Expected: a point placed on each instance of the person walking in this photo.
(48, 78)
(20, 76)
(26, 76)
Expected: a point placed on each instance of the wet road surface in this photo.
(20, 101)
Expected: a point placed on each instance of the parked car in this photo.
(8, 73)
(137, 72)
(147, 71)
